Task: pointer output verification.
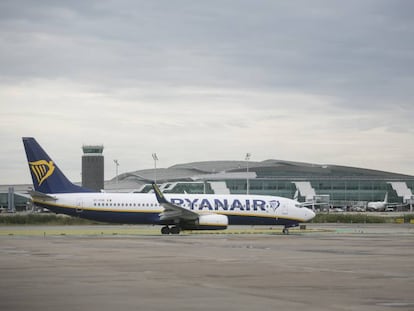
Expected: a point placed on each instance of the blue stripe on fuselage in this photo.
(128, 217)
(141, 217)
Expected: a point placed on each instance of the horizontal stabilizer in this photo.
(41, 195)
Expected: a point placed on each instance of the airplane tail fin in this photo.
(46, 176)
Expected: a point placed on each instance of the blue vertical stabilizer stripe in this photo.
(46, 175)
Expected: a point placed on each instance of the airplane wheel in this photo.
(165, 230)
(285, 231)
(175, 230)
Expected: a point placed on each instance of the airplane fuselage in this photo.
(139, 208)
(376, 206)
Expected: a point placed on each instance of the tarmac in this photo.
(325, 267)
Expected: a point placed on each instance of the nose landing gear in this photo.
(287, 226)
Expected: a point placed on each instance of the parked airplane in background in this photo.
(175, 212)
(381, 206)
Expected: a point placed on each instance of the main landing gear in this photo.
(172, 230)
(285, 230)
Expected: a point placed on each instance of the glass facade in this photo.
(340, 185)
(20, 202)
(339, 189)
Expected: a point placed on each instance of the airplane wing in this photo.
(395, 204)
(172, 211)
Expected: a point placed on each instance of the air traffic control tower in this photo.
(93, 167)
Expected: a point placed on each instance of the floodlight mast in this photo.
(155, 158)
(247, 158)
(116, 170)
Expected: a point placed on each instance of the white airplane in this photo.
(175, 212)
(380, 206)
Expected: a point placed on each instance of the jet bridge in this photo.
(402, 191)
(219, 187)
(305, 190)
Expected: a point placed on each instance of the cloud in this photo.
(328, 82)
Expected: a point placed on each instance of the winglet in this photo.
(160, 196)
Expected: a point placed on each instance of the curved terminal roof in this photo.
(213, 170)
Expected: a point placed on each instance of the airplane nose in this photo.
(310, 214)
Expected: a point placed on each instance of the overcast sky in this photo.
(328, 82)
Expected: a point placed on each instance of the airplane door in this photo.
(284, 208)
(79, 206)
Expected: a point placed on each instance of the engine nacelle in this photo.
(209, 222)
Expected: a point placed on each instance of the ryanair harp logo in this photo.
(42, 170)
(274, 204)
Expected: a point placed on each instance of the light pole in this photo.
(247, 158)
(154, 156)
(116, 169)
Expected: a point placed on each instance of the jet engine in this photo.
(208, 222)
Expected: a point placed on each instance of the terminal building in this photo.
(337, 185)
